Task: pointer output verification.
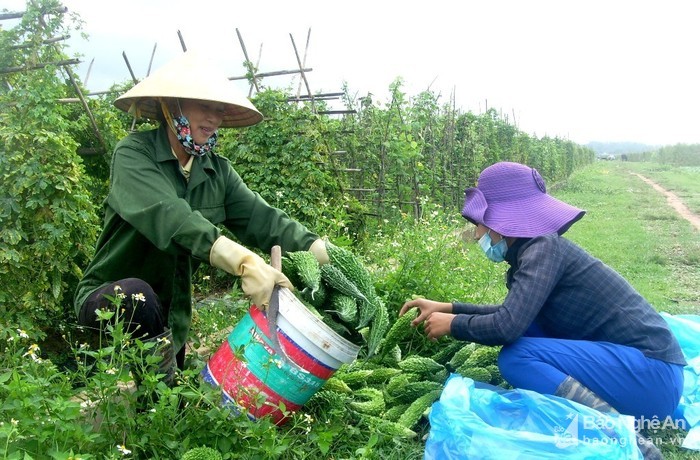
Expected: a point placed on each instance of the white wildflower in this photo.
(32, 353)
(123, 450)
(23, 334)
(87, 404)
(138, 297)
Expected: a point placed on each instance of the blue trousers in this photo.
(630, 382)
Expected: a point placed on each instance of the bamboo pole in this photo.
(303, 75)
(150, 62)
(182, 41)
(83, 101)
(247, 60)
(270, 74)
(60, 63)
(306, 51)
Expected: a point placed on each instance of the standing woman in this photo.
(169, 194)
(570, 325)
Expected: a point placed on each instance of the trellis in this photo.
(449, 169)
(304, 92)
(253, 74)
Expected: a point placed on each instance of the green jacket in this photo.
(158, 227)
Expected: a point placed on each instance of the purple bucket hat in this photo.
(511, 199)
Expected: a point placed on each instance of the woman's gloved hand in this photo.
(257, 277)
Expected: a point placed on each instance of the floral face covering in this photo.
(181, 127)
(182, 130)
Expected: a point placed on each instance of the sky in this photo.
(583, 70)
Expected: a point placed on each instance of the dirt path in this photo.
(674, 201)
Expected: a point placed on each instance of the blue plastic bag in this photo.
(483, 422)
(686, 328)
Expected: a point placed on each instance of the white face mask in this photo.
(494, 252)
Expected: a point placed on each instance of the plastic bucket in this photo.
(254, 379)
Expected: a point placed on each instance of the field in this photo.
(628, 225)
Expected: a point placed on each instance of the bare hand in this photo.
(438, 324)
(437, 316)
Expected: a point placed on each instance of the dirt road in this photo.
(674, 201)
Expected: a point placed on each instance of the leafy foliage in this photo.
(287, 159)
(48, 219)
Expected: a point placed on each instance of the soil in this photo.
(675, 202)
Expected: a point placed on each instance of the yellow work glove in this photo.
(318, 249)
(257, 278)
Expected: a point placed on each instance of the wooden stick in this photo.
(245, 54)
(303, 76)
(150, 63)
(276, 257)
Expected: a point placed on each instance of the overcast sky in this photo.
(585, 70)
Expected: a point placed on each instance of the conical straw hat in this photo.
(189, 76)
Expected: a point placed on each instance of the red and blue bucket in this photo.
(255, 380)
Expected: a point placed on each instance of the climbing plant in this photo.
(48, 220)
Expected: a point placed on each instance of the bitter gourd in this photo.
(483, 356)
(496, 377)
(478, 374)
(337, 280)
(352, 267)
(377, 329)
(307, 268)
(368, 401)
(388, 427)
(382, 374)
(447, 349)
(368, 309)
(394, 412)
(202, 453)
(396, 383)
(415, 410)
(398, 331)
(421, 365)
(460, 357)
(338, 385)
(344, 306)
(354, 378)
(413, 390)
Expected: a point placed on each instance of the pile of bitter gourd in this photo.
(394, 393)
(391, 392)
(341, 293)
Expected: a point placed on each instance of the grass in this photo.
(681, 180)
(630, 227)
